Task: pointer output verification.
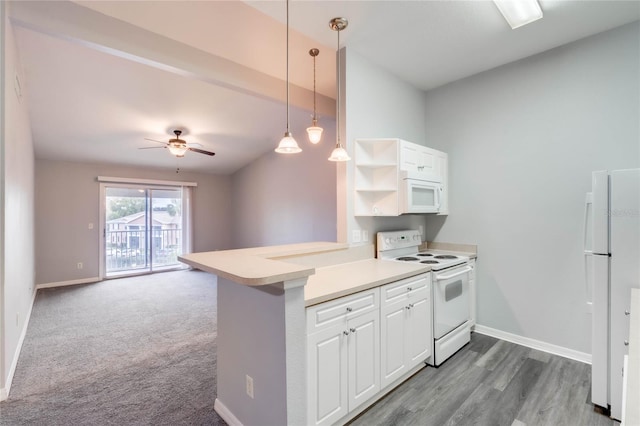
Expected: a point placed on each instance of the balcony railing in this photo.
(129, 250)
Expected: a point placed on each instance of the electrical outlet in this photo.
(355, 238)
(365, 236)
(249, 386)
(80, 265)
(421, 229)
(90, 225)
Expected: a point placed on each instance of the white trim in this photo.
(70, 282)
(145, 181)
(4, 392)
(226, 414)
(534, 344)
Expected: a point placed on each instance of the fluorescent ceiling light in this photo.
(519, 12)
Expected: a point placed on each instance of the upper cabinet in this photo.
(379, 167)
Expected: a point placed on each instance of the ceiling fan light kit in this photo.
(178, 147)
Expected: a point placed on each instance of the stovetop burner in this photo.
(446, 256)
(424, 254)
(407, 258)
(430, 262)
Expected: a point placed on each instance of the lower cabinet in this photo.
(343, 361)
(359, 344)
(405, 318)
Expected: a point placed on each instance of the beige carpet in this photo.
(129, 351)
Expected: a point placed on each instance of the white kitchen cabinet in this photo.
(376, 177)
(414, 157)
(405, 322)
(443, 171)
(343, 355)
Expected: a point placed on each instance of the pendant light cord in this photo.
(339, 90)
(315, 118)
(288, 130)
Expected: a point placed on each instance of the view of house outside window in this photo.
(143, 229)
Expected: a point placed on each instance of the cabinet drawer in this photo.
(340, 310)
(407, 287)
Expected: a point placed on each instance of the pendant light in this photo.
(288, 144)
(315, 132)
(338, 153)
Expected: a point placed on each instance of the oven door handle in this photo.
(455, 274)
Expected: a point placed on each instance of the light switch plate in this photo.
(355, 236)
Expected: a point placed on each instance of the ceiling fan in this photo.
(178, 146)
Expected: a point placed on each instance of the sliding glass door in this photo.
(144, 229)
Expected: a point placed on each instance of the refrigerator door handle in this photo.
(588, 203)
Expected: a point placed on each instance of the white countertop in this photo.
(341, 280)
(269, 265)
(259, 266)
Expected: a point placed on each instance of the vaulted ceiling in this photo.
(102, 76)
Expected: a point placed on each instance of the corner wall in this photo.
(523, 140)
(68, 199)
(16, 206)
(376, 104)
(286, 198)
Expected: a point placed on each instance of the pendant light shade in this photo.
(339, 153)
(288, 144)
(314, 132)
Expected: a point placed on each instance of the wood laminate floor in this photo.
(492, 382)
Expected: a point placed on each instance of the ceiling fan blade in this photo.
(152, 147)
(153, 140)
(201, 151)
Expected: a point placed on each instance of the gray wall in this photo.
(376, 104)
(68, 199)
(522, 142)
(284, 199)
(16, 204)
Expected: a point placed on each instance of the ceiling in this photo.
(102, 76)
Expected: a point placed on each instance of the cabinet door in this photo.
(392, 343)
(364, 358)
(443, 172)
(419, 340)
(327, 376)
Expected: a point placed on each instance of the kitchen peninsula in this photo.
(263, 295)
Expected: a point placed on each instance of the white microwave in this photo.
(419, 192)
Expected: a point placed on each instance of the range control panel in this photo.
(398, 239)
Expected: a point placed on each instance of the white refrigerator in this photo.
(612, 259)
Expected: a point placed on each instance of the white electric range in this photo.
(450, 273)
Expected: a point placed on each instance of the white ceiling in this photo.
(102, 76)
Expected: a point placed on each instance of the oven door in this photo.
(451, 301)
(420, 196)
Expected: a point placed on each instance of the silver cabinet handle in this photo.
(627, 312)
(353, 330)
(411, 305)
(409, 288)
(346, 333)
(626, 343)
(349, 309)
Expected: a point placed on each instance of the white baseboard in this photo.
(4, 392)
(534, 344)
(226, 414)
(70, 282)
